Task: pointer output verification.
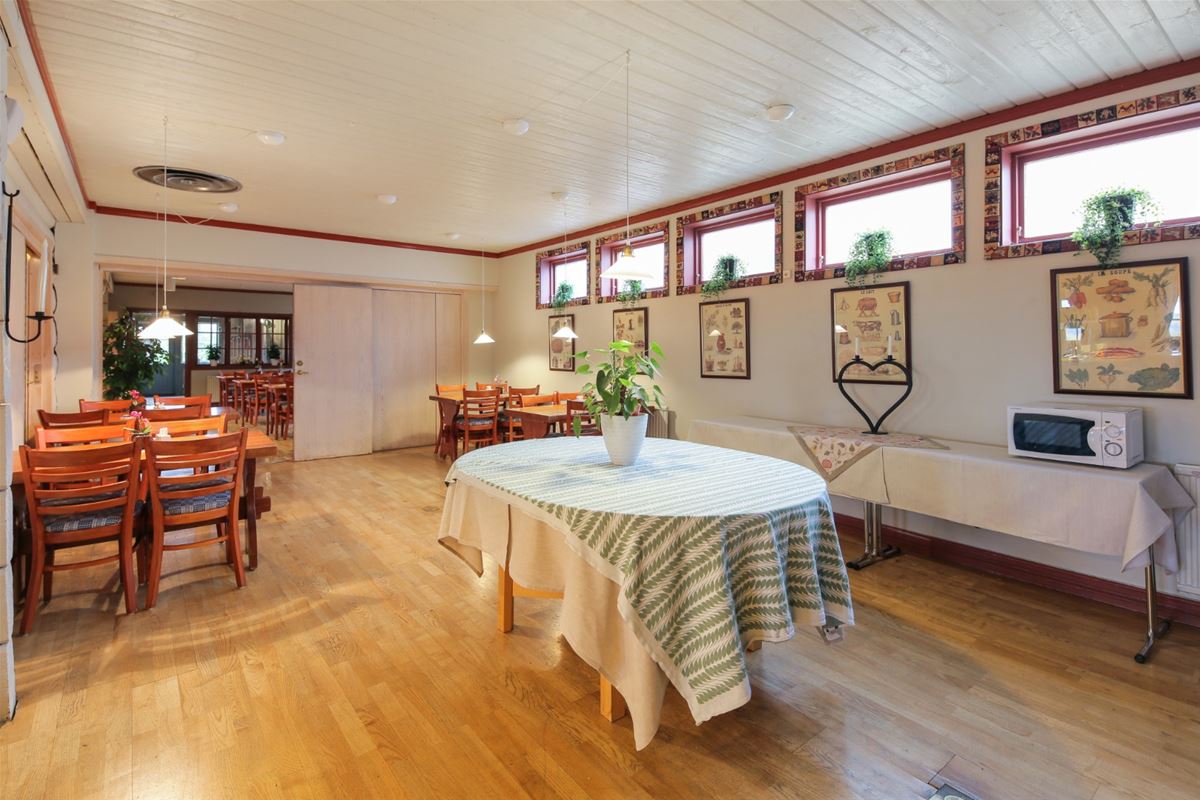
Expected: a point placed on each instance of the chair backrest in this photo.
(202, 400)
(91, 434)
(104, 405)
(565, 396)
(164, 414)
(515, 392)
(499, 387)
(450, 388)
(203, 426)
(577, 409)
(481, 404)
(192, 470)
(531, 400)
(65, 482)
(71, 419)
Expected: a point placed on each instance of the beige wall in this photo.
(980, 338)
(254, 303)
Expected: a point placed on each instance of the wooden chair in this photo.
(202, 400)
(46, 438)
(480, 422)
(487, 387)
(450, 388)
(515, 392)
(79, 497)
(204, 426)
(193, 483)
(243, 396)
(565, 396)
(520, 399)
(164, 414)
(119, 406)
(279, 409)
(71, 419)
(449, 431)
(576, 409)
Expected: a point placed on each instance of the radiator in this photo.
(662, 425)
(1187, 531)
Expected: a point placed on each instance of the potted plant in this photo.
(870, 254)
(139, 426)
(274, 353)
(214, 354)
(563, 295)
(129, 362)
(1106, 218)
(726, 274)
(615, 397)
(630, 293)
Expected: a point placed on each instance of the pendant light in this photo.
(565, 332)
(166, 326)
(625, 266)
(483, 337)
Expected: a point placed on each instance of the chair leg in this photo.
(143, 560)
(48, 580)
(156, 555)
(128, 579)
(36, 561)
(239, 568)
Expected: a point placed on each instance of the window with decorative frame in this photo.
(649, 243)
(571, 264)
(751, 229)
(1037, 177)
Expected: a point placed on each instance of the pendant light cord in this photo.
(164, 219)
(627, 148)
(482, 297)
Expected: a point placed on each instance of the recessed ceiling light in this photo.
(273, 138)
(453, 236)
(780, 112)
(560, 197)
(386, 199)
(517, 127)
(228, 208)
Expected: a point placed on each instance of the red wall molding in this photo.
(1130, 598)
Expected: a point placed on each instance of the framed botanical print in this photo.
(1124, 331)
(562, 351)
(868, 320)
(725, 339)
(632, 325)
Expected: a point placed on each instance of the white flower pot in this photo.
(624, 437)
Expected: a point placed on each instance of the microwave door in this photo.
(1062, 438)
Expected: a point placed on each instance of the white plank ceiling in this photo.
(407, 98)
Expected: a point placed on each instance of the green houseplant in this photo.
(130, 363)
(630, 293)
(1106, 217)
(274, 353)
(213, 352)
(870, 254)
(728, 270)
(563, 295)
(617, 399)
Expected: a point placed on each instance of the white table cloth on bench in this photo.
(668, 568)
(1113, 512)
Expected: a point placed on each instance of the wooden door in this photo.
(334, 374)
(450, 338)
(405, 367)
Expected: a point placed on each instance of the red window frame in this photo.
(1016, 157)
(549, 270)
(818, 203)
(608, 254)
(693, 235)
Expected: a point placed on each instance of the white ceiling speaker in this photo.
(228, 208)
(517, 127)
(780, 112)
(15, 116)
(453, 236)
(386, 199)
(272, 138)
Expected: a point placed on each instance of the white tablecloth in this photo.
(1114, 512)
(669, 568)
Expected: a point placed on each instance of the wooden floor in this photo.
(362, 660)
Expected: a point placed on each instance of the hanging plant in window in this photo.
(871, 254)
(214, 354)
(726, 274)
(130, 363)
(1106, 218)
(563, 295)
(630, 294)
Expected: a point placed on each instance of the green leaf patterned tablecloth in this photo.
(712, 548)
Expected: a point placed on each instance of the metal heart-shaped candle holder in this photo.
(890, 361)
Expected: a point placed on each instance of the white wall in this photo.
(980, 338)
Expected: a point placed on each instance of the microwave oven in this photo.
(1105, 436)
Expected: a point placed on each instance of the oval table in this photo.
(669, 569)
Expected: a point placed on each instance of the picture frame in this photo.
(870, 315)
(562, 351)
(633, 325)
(1122, 332)
(725, 339)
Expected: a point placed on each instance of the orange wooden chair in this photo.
(45, 438)
(115, 408)
(194, 482)
(78, 497)
(565, 396)
(487, 387)
(516, 427)
(71, 419)
(576, 409)
(164, 414)
(204, 401)
(450, 388)
(480, 424)
(203, 426)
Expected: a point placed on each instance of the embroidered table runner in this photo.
(712, 548)
(834, 449)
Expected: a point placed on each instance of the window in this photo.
(747, 229)
(1051, 182)
(752, 241)
(274, 332)
(566, 264)
(574, 272)
(917, 212)
(649, 251)
(210, 332)
(243, 340)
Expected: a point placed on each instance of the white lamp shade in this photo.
(483, 338)
(565, 332)
(627, 268)
(165, 327)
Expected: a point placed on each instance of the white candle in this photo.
(856, 347)
(45, 278)
(889, 345)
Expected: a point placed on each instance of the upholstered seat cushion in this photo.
(70, 523)
(479, 423)
(194, 505)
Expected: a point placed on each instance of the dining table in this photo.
(670, 570)
(538, 421)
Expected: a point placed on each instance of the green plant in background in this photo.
(630, 293)
(614, 389)
(130, 364)
(870, 254)
(274, 351)
(1106, 217)
(726, 273)
(213, 352)
(563, 295)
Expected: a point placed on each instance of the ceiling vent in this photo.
(188, 180)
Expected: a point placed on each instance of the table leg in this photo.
(251, 512)
(504, 598)
(612, 705)
(1155, 630)
(875, 549)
